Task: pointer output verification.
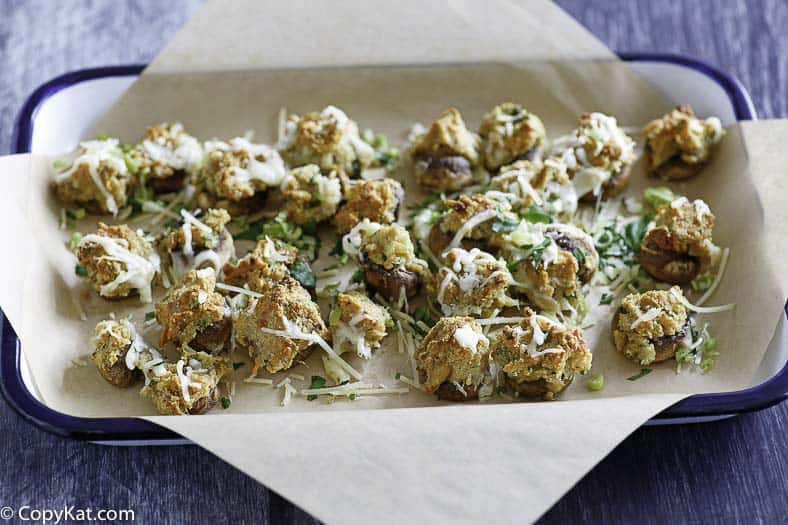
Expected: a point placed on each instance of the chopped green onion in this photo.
(658, 196)
(334, 317)
(702, 283)
(73, 242)
(317, 382)
(596, 382)
(60, 165)
(606, 298)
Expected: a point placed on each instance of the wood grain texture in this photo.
(733, 471)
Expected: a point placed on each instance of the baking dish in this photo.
(59, 112)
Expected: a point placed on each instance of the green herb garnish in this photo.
(635, 231)
(80, 270)
(317, 382)
(606, 298)
(302, 272)
(643, 372)
(352, 396)
(226, 401)
(150, 316)
(357, 277)
(238, 365)
(505, 222)
(537, 215)
(579, 255)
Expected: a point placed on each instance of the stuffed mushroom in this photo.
(119, 262)
(452, 359)
(509, 133)
(188, 386)
(445, 156)
(598, 155)
(98, 179)
(376, 200)
(197, 242)
(311, 196)
(536, 187)
(539, 357)
(358, 325)
(574, 240)
(280, 325)
(237, 173)
(679, 144)
(271, 260)
(388, 259)
(194, 315)
(649, 327)
(328, 139)
(679, 246)
(115, 344)
(473, 283)
(472, 221)
(168, 158)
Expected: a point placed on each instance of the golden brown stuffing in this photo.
(119, 262)
(454, 351)
(679, 247)
(238, 170)
(598, 155)
(311, 196)
(98, 179)
(286, 308)
(328, 139)
(111, 342)
(270, 260)
(390, 263)
(545, 185)
(540, 357)
(190, 386)
(168, 157)
(212, 247)
(552, 284)
(464, 209)
(445, 155)
(509, 133)
(358, 324)
(376, 200)
(193, 314)
(678, 144)
(649, 327)
(473, 283)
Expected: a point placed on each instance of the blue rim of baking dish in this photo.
(127, 429)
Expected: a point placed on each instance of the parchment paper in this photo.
(346, 462)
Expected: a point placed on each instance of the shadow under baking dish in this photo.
(59, 112)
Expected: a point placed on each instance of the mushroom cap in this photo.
(388, 283)
(448, 391)
(663, 264)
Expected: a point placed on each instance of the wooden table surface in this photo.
(732, 471)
